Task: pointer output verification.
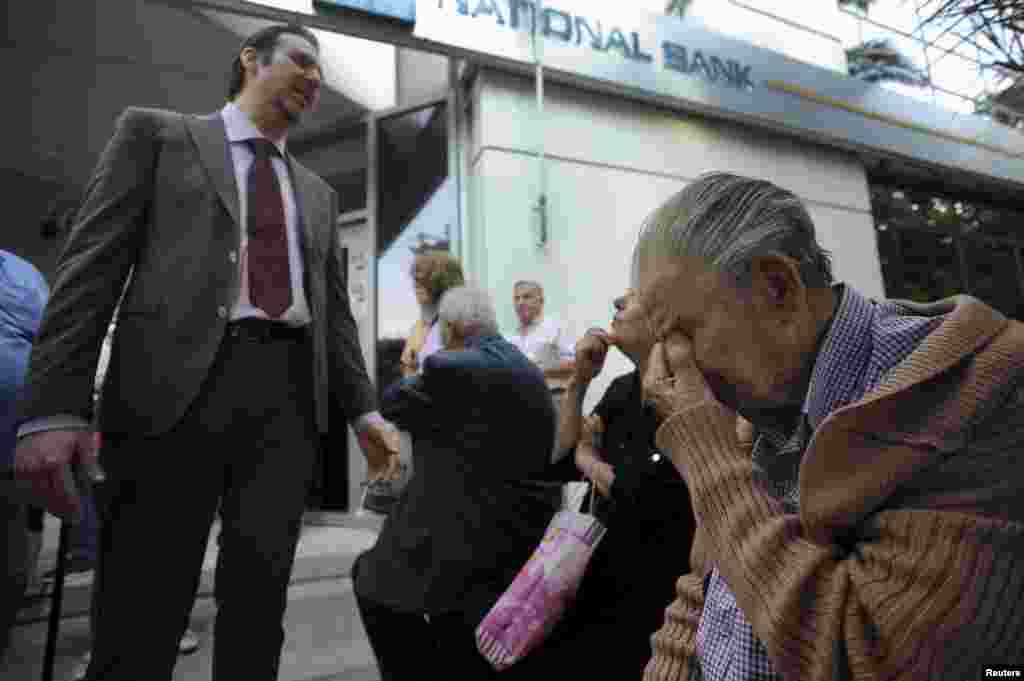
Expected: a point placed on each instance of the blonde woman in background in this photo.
(433, 272)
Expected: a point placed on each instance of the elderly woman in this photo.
(863, 520)
(643, 502)
(433, 273)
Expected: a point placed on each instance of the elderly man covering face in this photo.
(860, 521)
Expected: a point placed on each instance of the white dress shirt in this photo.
(239, 129)
(545, 343)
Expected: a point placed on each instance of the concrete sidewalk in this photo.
(324, 638)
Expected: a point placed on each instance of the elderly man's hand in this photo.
(46, 461)
(379, 441)
(673, 383)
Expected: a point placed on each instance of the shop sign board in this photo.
(686, 65)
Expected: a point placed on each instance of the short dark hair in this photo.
(264, 41)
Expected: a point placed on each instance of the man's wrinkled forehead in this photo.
(670, 288)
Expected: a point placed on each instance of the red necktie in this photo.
(270, 282)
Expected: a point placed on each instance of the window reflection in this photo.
(417, 208)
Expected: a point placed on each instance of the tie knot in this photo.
(262, 148)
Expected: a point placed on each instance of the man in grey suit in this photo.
(234, 337)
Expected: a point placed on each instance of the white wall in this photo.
(612, 162)
(801, 30)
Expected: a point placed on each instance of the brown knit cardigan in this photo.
(906, 560)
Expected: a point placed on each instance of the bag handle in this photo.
(593, 493)
(593, 487)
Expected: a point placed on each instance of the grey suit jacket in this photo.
(159, 222)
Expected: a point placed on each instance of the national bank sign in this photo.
(681, 64)
(588, 32)
(571, 23)
(595, 38)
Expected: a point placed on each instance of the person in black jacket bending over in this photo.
(482, 424)
(641, 499)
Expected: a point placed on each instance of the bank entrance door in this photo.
(405, 193)
(416, 209)
(331, 489)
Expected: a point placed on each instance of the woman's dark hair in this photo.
(264, 42)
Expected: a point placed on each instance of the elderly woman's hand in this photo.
(591, 351)
(673, 383)
(592, 431)
(588, 456)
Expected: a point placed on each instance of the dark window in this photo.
(417, 208)
(994, 275)
(932, 247)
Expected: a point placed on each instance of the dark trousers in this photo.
(14, 578)
(410, 647)
(246, 445)
(609, 648)
(85, 538)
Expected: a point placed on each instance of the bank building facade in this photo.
(531, 139)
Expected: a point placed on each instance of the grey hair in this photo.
(729, 220)
(470, 307)
(528, 283)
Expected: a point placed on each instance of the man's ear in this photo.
(775, 282)
(249, 58)
(454, 335)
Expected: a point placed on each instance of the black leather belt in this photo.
(256, 330)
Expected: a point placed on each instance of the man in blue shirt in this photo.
(23, 294)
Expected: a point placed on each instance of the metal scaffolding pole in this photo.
(541, 207)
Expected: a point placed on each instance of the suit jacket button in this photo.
(233, 257)
(222, 312)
